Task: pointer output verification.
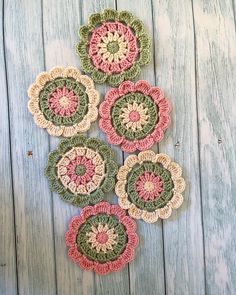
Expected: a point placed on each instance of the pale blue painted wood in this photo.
(175, 68)
(170, 258)
(33, 216)
(8, 275)
(215, 74)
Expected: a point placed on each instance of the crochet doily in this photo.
(134, 116)
(63, 101)
(113, 46)
(81, 170)
(150, 185)
(102, 238)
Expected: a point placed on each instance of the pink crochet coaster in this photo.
(150, 185)
(113, 46)
(102, 238)
(134, 116)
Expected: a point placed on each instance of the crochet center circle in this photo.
(150, 186)
(102, 238)
(113, 46)
(63, 101)
(81, 170)
(134, 115)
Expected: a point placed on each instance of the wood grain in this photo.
(8, 274)
(175, 67)
(33, 218)
(215, 74)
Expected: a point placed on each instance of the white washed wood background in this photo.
(194, 56)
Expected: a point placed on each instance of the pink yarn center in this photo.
(63, 102)
(134, 116)
(149, 186)
(89, 170)
(122, 64)
(102, 237)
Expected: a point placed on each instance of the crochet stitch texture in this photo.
(81, 170)
(113, 46)
(63, 101)
(102, 238)
(134, 116)
(150, 185)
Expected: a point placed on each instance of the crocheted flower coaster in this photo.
(81, 170)
(63, 101)
(134, 115)
(102, 238)
(113, 46)
(150, 185)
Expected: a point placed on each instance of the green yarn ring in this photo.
(84, 246)
(71, 84)
(138, 98)
(158, 170)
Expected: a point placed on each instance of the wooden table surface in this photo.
(194, 54)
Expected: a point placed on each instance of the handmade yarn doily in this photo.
(113, 46)
(134, 116)
(63, 101)
(102, 238)
(81, 170)
(150, 185)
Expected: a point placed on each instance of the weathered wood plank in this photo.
(60, 36)
(33, 218)
(174, 56)
(216, 56)
(147, 270)
(8, 276)
(114, 283)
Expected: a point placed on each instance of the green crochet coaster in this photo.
(81, 170)
(113, 46)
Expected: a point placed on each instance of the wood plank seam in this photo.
(81, 22)
(49, 148)
(156, 84)
(10, 150)
(198, 139)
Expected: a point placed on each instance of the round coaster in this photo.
(150, 185)
(113, 46)
(81, 170)
(63, 101)
(102, 238)
(134, 116)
